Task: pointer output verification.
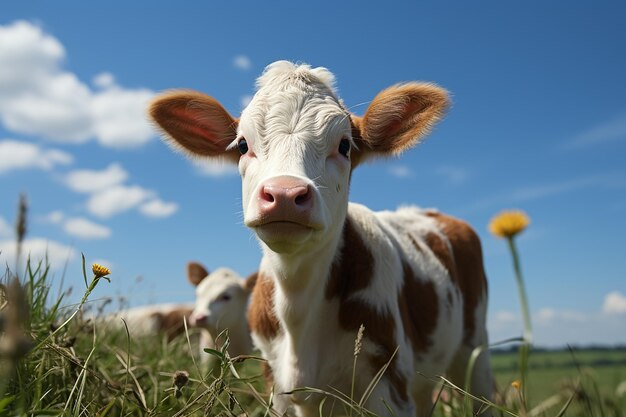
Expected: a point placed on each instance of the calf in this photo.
(413, 278)
(153, 319)
(221, 304)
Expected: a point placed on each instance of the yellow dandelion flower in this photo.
(516, 384)
(100, 271)
(509, 223)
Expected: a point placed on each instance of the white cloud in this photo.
(242, 62)
(614, 303)
(158, 208)
(400, 171)
(55, 217)
(215, 168)
(453, 175)
(23, 155)
(85, 229)
(40, 98)
(77, 226)
(554, 327)
(88, 181)
(117, 199)
(104, 80)
(109, 195)
(119, 117)
(5, 229)
(611, 130)
(548, 316)
(27, 55)
(38, 249)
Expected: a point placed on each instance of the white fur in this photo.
(293, 126)
(141, 321)
(295, 197)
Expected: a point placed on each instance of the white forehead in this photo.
(294, 100)
(218, 281)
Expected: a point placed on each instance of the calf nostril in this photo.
(303, 197)
(267, 195)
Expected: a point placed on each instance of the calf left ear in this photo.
(195, 123)
(399, 117)
(196, 273)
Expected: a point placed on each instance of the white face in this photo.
(220, 302)
(295, 144)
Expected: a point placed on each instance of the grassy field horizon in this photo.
(70, 367)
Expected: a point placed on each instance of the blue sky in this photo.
(538, 123)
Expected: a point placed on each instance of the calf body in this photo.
(414, 279)
(150, 320)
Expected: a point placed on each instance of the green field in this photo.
(55, 360)
(600, 371)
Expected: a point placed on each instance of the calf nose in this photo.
(198, 319)
(286, 194)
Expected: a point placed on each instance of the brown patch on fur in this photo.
(442, 251)
(172, 323)
(353, 271)
(468, 258)
(261, 316)
(419, 309)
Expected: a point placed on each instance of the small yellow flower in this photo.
(516, 384)
(509, 223)
(100, 271)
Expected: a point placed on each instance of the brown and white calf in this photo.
(221, 304)
(150, 320)
(414, 278)
(222, 299)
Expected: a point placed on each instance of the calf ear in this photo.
(196, 273)
(250, 282)
(195, 123)
(399, 117)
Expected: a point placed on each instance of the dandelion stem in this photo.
(528, 333)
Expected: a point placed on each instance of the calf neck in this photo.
(412, 278)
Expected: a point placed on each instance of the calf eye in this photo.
(224, 297)
(344, 147)
(242, 145)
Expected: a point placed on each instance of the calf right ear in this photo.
(195, 123)
(398, 118)
(196, 273)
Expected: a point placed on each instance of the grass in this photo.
(56, 359)
(64, 364)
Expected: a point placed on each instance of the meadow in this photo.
(64, 364)
(57, 359)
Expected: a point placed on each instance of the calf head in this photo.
(221, 298)
(296, 145)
